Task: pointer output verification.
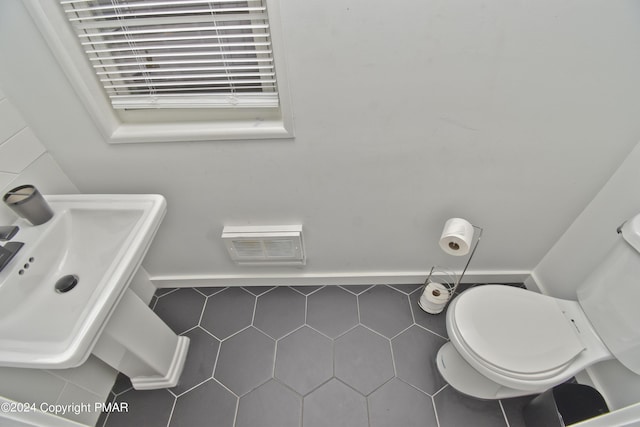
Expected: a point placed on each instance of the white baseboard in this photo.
(309, 279)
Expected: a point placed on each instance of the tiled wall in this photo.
(23, 159)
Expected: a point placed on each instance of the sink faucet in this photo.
(10, 249)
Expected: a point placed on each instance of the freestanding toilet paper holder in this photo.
(435, 295)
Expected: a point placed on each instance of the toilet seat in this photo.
(513, 332)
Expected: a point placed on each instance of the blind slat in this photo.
(187, 69)
(203, 77)
(178, 62)
(157, 4)
(145, 47)
(135, 13)
(248, 90)
(167, 39)
(178, 54)
(203, 83)
(177, 19)
(124, 32)
(147, 60)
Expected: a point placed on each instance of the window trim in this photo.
(51, 22)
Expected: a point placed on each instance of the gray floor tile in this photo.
(201, 357)
(279, 312)
(122, 384)
(332, 311)
(455, 410)
(271, 404)
(181, 309)
(356, 289)
(306, 290)
(398, 404)
(245, 361)
(145, 408)
(257, 290)
(304, 360)
(437, 323)
(335, 405)
(207, 405)
(414, 352)
(228, 312)
(210, 290)
(385, 310)
(407, 288)
(363, 360)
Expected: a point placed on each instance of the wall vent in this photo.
(265, 245)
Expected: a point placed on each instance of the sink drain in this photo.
(66, 283)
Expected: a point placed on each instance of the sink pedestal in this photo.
(136, 342)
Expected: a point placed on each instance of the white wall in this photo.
(24, 160)
(582, 247)
(511, 114)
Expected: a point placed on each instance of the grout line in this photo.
(275, 354)
(173, 407)
(241, 330)
(235, 413)
(378, 333)
(176, 394)
(402, 331)
(429, 330)
(411, 308)
(255, 306)
(442, 388)
(393, 359)
(318, 331)
(225, 387)
(296, 290)
(189, 330)
(204, 307)
(168, 293)
(209, 332)
(435, 410)
(416, 388)
(215, 363)
(378, 388)
(348, 330)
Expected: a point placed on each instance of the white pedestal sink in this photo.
(101, 241)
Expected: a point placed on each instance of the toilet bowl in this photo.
(507, 341)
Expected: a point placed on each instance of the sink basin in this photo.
(98, 239)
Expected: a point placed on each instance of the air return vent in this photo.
(262, 245)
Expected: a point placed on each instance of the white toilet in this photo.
(508, 342)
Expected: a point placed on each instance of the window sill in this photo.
(179, 132)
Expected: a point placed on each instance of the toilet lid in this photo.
(515, 329)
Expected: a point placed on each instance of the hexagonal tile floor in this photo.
(304, 357)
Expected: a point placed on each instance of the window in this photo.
(163, 70)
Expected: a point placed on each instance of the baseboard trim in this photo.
(314, 279)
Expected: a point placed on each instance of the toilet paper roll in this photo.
(456, 237)
(434, 298)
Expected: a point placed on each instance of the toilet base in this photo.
(465, 379)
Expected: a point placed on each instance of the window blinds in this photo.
(178, 54)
